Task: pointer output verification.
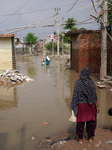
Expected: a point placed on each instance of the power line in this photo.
(28, 26)
(77, 9)
(16, 10)
(42, 26)
(38, 10)
(94, 6)
(72, 6)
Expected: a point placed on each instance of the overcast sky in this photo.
(21, 13)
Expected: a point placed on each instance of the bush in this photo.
(48, 46)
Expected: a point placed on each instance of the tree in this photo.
(70, 23)
(48, 46)
(31, 38)
(109, 27)
(66, 38)
(109, 16)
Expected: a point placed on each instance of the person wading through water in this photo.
(85, 106)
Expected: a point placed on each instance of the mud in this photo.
(65, 141)
(40, 109)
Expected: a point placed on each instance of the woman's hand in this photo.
(97, 110)
(96, 106)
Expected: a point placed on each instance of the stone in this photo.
(13, 79)
(101, 86)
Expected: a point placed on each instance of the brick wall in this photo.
(86, 52)
(75, 53)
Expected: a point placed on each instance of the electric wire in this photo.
(16, 11)
(46, 19)
(72, 6)
(78, 9)
(94, 6)
(29, 26)
(38, 10)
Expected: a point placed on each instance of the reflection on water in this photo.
(24, 110)
(8, 98)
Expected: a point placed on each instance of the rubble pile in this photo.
(12, 78)
(48, 143)
(106, 82)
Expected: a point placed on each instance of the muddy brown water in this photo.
(41, 108)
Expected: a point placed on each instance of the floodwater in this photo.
(41, 108)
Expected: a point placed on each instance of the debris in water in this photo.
(12, 78)
(45, 123)
(97, 145)
(109, 142)
(32, 138)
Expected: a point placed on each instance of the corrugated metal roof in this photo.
(7, 35)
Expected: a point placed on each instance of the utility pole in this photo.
(62, 43)
(104, 41)
(53, 45)
(57, 12)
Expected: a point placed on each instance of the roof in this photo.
(7, 35)
(74, 32)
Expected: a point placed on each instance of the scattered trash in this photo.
(97, 145)
(68, 138)
(58, 143)
(109, 142)
(47, 139)
(61, 142)
(45, 123)
(111, 90)
(32, 138)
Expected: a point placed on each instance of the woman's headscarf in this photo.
(89, 86)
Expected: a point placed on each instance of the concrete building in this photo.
(86, 50)
(7, 52)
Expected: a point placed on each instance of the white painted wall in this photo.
(5, 53)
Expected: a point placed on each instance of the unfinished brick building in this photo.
(86, 50)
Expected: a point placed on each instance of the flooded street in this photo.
(41, 108)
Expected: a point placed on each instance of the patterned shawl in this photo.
(89, 85)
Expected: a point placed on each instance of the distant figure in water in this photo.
(43, 61)
(85, 106)
(47, 60)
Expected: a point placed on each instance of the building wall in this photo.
(86, 52)
(83, 51)
(90, 52)
(75, 53)
(5, 53)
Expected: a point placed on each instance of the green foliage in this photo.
(31, 38)
(97, 35)
(66, 39)
(110, 11)
(109, 15)
(82, 29)
(70, 23)
(48, 46)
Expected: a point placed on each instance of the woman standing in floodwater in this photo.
(85, 106)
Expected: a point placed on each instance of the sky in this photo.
(16, 14)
